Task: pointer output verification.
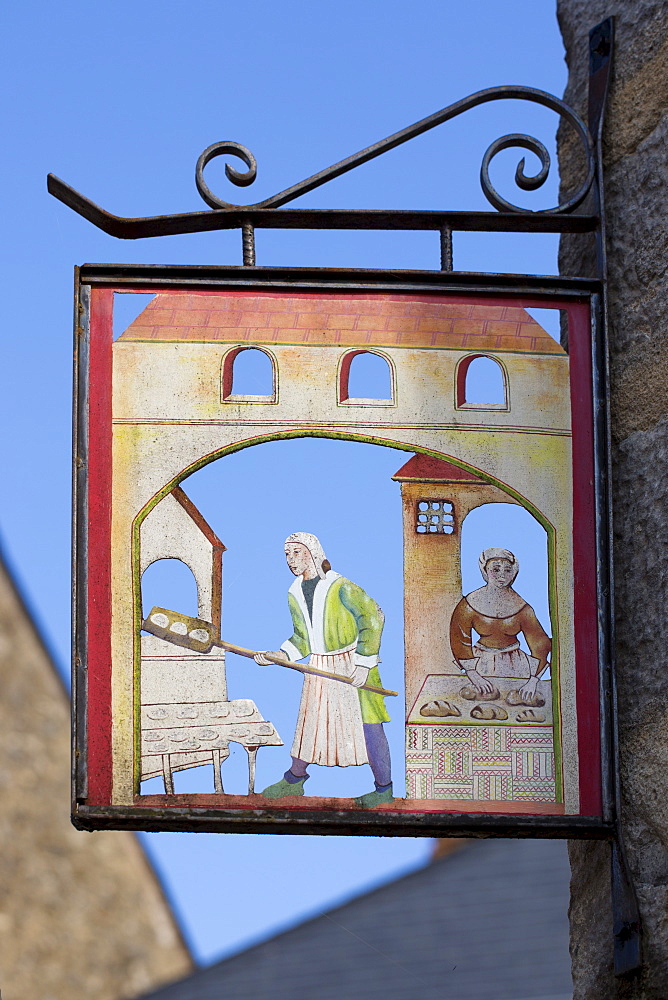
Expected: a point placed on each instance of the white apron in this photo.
(329, 728)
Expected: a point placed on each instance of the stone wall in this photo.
(81, 914)
(636, 192)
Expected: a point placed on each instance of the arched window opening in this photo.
(169, 583)
(249, 376)
(481, 383)
(366, 378)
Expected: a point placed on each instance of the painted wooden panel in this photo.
(496, 705)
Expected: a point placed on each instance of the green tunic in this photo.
(344, 617)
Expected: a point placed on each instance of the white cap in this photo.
(489, 554)
(312, 543)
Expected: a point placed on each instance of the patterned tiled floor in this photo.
(508, 763)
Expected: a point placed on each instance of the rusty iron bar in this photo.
(627, 923)
(316, 218)
(446, 249)
(248, 243)
(155, 277)
(337, 822)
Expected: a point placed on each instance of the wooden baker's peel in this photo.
(200, 636)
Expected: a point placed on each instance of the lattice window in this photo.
(434, 517)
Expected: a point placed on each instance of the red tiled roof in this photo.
(385, 320)
(426, 468)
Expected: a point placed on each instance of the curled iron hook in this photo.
(523, 180)
(236, 176)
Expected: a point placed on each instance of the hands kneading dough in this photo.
(516, 698)
(471, 693)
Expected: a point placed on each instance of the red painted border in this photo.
(228, 369)
(584, 562)
(98, 532)
(344, 373)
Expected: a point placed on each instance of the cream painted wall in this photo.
(169, 416)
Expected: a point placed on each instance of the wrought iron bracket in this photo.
(626, 926)
(266, 214)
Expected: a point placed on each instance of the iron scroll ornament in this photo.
(227, 215)
(523, 180)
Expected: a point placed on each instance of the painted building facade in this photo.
(176, 407)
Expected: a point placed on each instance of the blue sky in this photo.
(119, 100)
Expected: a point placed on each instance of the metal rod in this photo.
(264, 818)
(248, 243)
(627, 926)
(158, 277)
(446, 248)
(316, 218)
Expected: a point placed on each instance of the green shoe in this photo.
(372, 799)
(284, 788)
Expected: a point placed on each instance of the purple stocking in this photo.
(297, 771)
(378, 751)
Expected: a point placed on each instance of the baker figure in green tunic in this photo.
(339, 627)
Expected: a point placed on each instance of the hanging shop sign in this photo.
(400, 640)
(342, 546)
(342, 537)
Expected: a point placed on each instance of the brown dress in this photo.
(497, 649)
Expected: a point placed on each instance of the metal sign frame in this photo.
(92, 807)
